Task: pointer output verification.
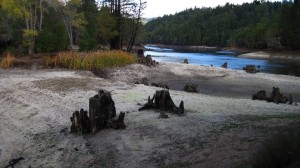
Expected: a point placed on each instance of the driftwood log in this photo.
(163, 101)
(102, 115)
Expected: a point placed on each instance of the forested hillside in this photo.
(31, 26)
(252, 25)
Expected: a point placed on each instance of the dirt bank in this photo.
(222, 127)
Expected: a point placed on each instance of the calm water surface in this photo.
(218, 58)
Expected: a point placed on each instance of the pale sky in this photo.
(157, 8)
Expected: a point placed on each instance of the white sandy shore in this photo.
(216, 131)
(272, 55)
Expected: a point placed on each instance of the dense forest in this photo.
(43, 26)
(257, 25)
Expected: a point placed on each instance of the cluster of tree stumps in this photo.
(276, 96)
(162, 100)
(102, 115)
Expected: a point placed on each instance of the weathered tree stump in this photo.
(163, 101)
(251, 69)
(101, 109)
(190, 88)
(275, 97)
(102, 113)
(143, 81)
(261, 95)
(185, 61)
(147, 61)
(225, 65)
(81, 123)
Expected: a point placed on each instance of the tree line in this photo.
(257, 25)
(43, 26)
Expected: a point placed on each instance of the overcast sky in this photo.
(157, 8)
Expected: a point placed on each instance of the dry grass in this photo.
(7, 61)
(91, 60)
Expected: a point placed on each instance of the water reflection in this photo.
(218, 58)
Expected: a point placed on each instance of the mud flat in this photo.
(222, 126)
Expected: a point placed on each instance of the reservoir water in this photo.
(218, 58)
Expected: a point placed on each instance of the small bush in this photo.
(91, 60)
(280, 151)
(7, 61)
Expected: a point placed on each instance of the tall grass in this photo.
(91, 60)
(7, 61)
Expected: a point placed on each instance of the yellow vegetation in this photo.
(91, 60)
(7, 61)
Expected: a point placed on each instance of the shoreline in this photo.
(36, 106)
(277, 55)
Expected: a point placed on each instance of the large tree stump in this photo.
(163, 101)
(102, 114)
(277, 97)
(101, 109)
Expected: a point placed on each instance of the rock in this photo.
(143, 81)
(163, 101)
(261, 95)
(185, 61)
(251, 69)
(225, 65)
(190, 88)
(165, 86)
(102, 113)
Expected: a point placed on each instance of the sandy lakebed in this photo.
(221, 127)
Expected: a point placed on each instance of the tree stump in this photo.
(163, 101)
(277, 97)
(102, 113)
(250, 69)
(101, 109)
(225, 65)
(261, 95)
(190, 88)
(185, 61)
